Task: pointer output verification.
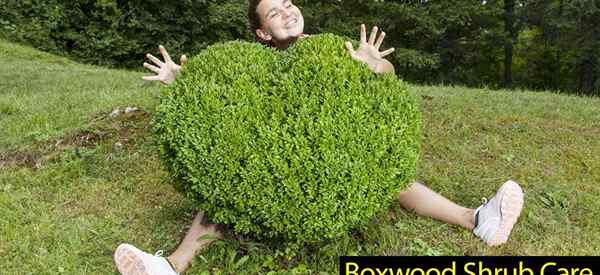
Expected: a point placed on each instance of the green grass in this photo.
(69, 195)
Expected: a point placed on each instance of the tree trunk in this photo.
(587, 75)
(557, 70)
(509, 18)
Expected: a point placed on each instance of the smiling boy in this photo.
(279, 24)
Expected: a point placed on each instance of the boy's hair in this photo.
(254, 18)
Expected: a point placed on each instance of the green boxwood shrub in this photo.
(301, 145)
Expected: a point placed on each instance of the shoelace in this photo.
(160, 253)
(484, 201)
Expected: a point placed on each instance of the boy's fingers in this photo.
(165, 54)
(363, 33)
(349, 47)
(183, 60)
(387, 52)
(380, 40)
(151, 67)
(373, 35)
(155, 60)
(150, 78)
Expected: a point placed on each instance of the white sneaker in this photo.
(495, 218)
(132, 261)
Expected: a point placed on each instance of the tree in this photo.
(509, 28)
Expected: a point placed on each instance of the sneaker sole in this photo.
(511, 206)
(128, 261)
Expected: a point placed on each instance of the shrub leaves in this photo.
(301, 145)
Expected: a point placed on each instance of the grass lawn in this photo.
(75, 182)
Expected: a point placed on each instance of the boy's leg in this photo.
(130, 260)
(426, 202)
(492, 221)
(192, 244)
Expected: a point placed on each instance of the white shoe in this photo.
(495, 218)
(132, 261)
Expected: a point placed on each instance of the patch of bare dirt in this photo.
(123, 131)
(20, 159)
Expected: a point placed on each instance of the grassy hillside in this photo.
(75, 182)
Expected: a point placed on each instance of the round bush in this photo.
(302, 145)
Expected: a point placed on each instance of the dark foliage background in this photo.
(535, 44)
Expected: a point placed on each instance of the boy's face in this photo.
(281, 20)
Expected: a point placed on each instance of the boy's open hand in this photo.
(165, 71)
(368, 51)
